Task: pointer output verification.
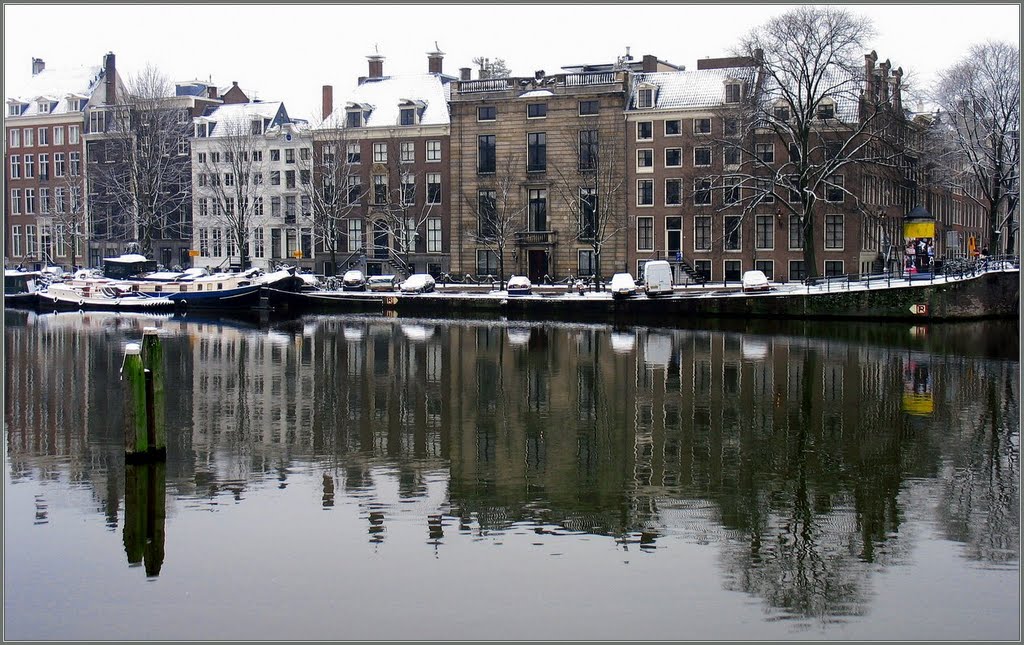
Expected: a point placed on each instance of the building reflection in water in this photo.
(793, 452)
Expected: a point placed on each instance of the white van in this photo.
(657, 278)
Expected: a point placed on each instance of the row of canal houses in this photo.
(598, 167)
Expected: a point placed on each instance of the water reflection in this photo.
(794, 454)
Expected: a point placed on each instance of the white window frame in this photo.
(639, 192)
(16, 201)
(433, 150)
(650, 220)
(648, 123)
(680, 192)
(842, 232)
(679, 127)
(434, 236)
(14, 138)
(645, 97)
(380, 152)
(407, 152)
(43, 137)
(698, 120)
(710, 154)
(355, 234)
(648, 153)
(73, 134)
(16, 241)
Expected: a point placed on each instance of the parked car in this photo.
(755, 281)
(623, 285)
(418, 283)
(382, 282)
(519, 285)
(353, 280)
(657, 278)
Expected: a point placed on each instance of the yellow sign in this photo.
(296, 254)
(972, 245)
(919, 229)
(918, 404)
(192, 253)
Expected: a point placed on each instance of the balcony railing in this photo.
(589, 78)
(525, 238)
(488, 85)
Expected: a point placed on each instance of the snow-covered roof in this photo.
(536, 93)
(386, 95)
(845, 92)
(704, 88)
(56, 84)
(237, 116)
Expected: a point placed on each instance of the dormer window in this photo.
(782, 113)
(826, 111)
(733, 91)
(353, 118)
(407, 116)
(256, 126)
(14, 109)
(645, 97)
(43, 107)
(203, 130)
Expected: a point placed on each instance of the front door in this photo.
(538, 261)
(380, 240)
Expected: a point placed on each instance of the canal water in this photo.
(376, 478)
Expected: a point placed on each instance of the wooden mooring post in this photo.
(142, 374)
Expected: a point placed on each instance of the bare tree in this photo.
(979, 132)
(230, 183)
(335, 191)
(69, 220)
(592, 186)
(499, 209)
(147, 175)
(811, 97)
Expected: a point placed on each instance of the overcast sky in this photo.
(288, 52)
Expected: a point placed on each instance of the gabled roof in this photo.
(238, 115)
(386, 95)
(696, 89)
(56, 84)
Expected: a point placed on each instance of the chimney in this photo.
(759, 57)
(37, 66)
(211, 91)
(110, 78)
(650, 63)
(376, 66)
(328, 102)
(897, 89)
(434, 60)
(464, 73)
(885, 81)
(869, 72)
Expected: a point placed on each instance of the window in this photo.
(75, 164)
(536, 110)
(702, 156)
(794, 152)
(30, 201)
(355, 189)
(229, 206)
(703, 269)
(289, 179)
(765, 152)
(355, 234)
(58, 200)
(588, 149)
(16, 241)
(732, 93)
(407, 152)
(538, 209)
(44, 166)
(289, 209)
(201, 157)
(702, 126)
(834, 232)
(30, 167)
(486, 262)
(673, 128)
(797, 270)
(731, 190)
(407, 116)
(485, 155)
(15, 166)
(589, 107)
(380, 189)
(304, 177)
(645, 192)
(765, 190)
(645, 97)
(796, 233)
(229, 179)
(826, 111)
(259, 249)
(275, 207)
(433, 188)
(433, 235)
(306, 206)
(289, 155)
(15, 138)
(216, 245)
(304, 154)
(673, 157)
(380, 153)
(44, 137)
(30, 240)
(782, 113)
(433, 151)
(702, 233)
(702, 191)
(408, 190)
(645, 159)
(16, 201)
(275, 177)
(833, 149)
(732, 233)
(204, 242)
(26, 136)
(536, 152)
(764, 232)
(486, 113)
(487, 211)
(586, 263)
(44, 201)
(353, 118)
(731, 127)
(834, 268)
(767, 267)
(588, 213)
(833, 189)
(673, 192)
(644, 130)
(793, 195)
(733, 268)
(275, 155)
(645, 234)
(257, 206)
(352, 151)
